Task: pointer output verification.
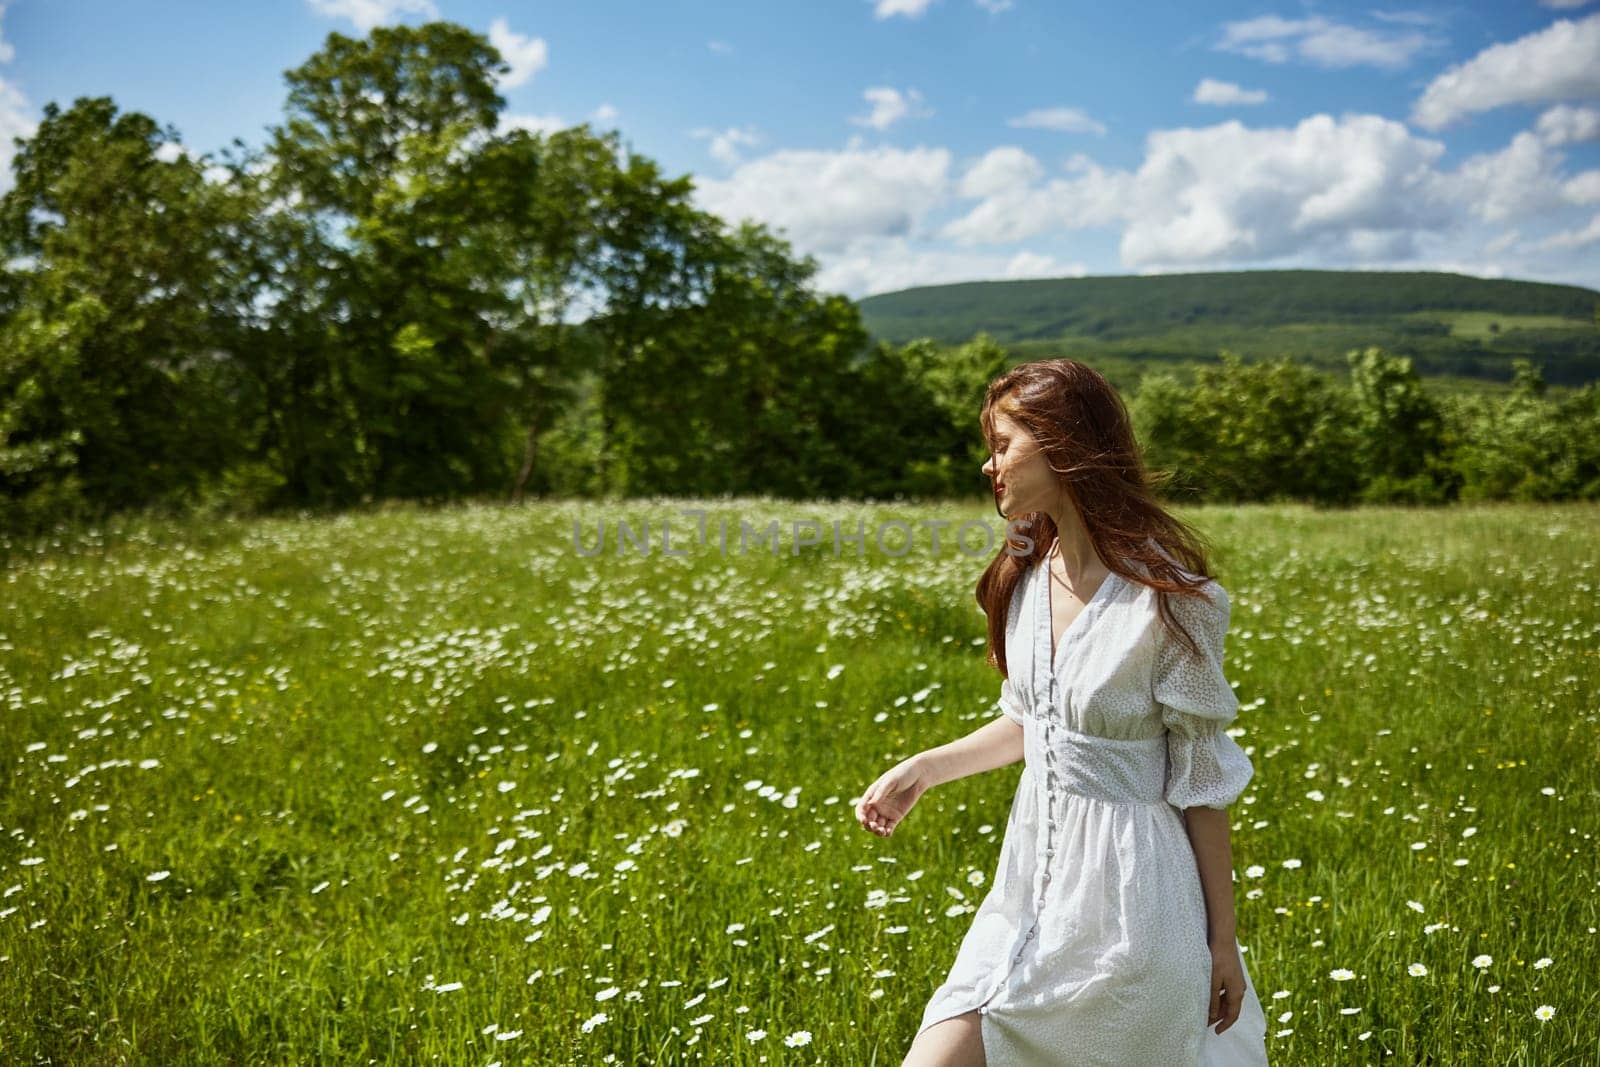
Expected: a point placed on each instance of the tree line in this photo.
(394, 297)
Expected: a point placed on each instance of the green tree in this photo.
(1524, 446)
(744, 387)
(658, 256)
(299, 415)
(112, 384)
(905, 442)
(956, 379)
(1173, 439)
(1252, 432)
(1399, 435)
(549, 227)
(378, 149)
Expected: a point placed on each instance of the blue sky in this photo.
(907, 142)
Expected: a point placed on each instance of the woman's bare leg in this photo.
(953, 1042)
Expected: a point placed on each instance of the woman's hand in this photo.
(891, 797)
(1227, 985)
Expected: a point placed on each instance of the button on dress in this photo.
(1090, 946)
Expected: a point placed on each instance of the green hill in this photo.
(1451, 325)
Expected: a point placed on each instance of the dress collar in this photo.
(1043, 624)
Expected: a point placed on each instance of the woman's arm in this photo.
(1213, 853)
(995, 744)
(888, 800)
(1208, 834)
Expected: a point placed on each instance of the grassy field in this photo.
(1485, 325)
(432, 787)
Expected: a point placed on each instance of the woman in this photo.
(1108, 935)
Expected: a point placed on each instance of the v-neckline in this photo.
(1053, 648)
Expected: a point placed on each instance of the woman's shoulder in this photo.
(1212, 597)
(1207, 584)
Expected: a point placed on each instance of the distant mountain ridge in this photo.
(1450, 324)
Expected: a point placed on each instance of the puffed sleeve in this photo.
(1009, 702)
(1205, 767)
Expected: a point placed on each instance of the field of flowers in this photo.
(435, 786)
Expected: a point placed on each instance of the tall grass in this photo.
(432, 787)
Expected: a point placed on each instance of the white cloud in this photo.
(827, 201)
(1060, 119)
(526, 56)
(1565, 124)
(16, 120)
(889, 106)
(724, 146)
(1034, 265)
(16, 114)
(7, 52)
(1001, 170)
(1409, 18)
(1347, 46)
(548, 124)
(1503, 242)
(1519, 181)
(366, 14)
(994, 7)
(1583, 189)
(531, 123)
(883, 9)
(1563, 5)
(722, 48)
(1354, 192)
(1346, 186)
(1261, 38)
(1351, 187)
(1574, 238)
(1559, 62)
(1322, 41)
(1212, 91)
(1013, 211)
(884, 265)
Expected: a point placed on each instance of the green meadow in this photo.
(432, 786)
(1485, 325)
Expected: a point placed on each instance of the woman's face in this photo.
(1023, 480)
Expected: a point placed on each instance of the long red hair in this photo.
(1084, 431)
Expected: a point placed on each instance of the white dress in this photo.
(1090, 946)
